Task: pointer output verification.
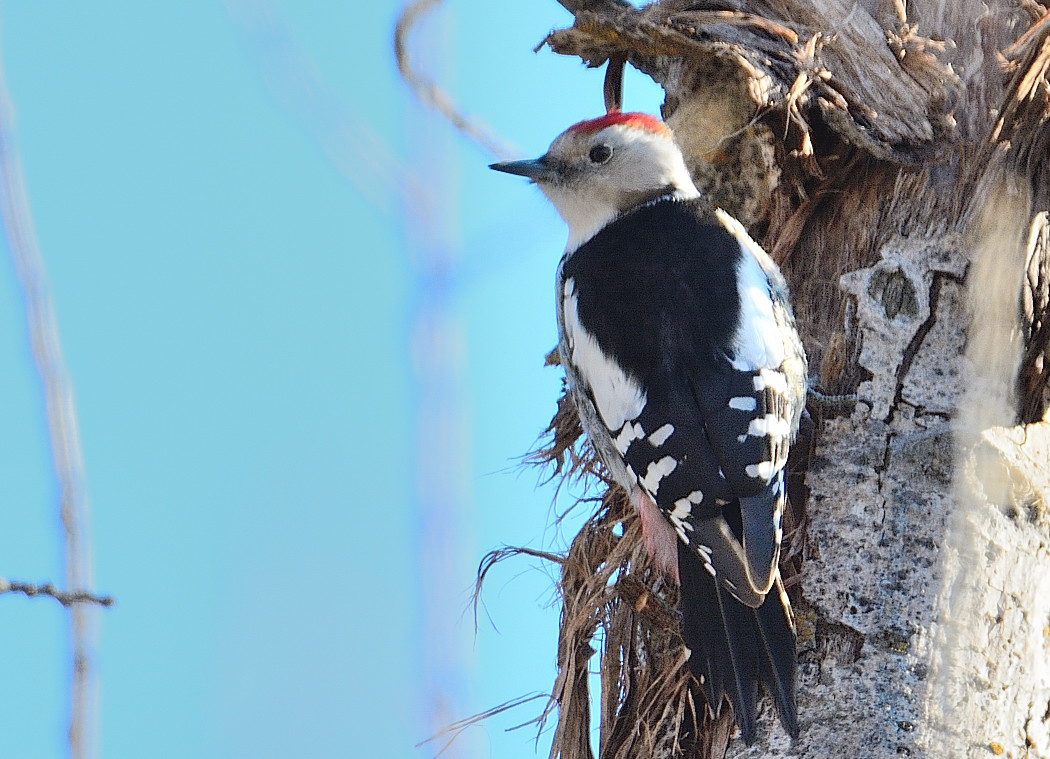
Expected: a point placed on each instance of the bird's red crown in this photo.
(641, 121)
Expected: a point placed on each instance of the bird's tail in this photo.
(734, 647)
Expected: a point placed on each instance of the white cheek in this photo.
(585, 214)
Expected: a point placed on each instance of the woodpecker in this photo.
(681, 354)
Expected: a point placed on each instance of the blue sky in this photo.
(237, 283)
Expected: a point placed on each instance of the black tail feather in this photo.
(735, 647)
(738, 629)
(780, 661)
(703, 634)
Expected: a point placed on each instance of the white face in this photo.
(596, 176)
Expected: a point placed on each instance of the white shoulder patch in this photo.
(758, 342)
(619, 398)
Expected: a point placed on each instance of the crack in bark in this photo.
(911, 350)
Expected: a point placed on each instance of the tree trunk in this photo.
(893, 157)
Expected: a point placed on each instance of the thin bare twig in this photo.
(454, 730)
(62, 424)
(67, 598)
(430, 94)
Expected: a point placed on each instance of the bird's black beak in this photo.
(536, 169)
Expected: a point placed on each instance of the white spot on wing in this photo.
(763, 470)
(659, 437)
(680, 527)
(628, 434)
(770, 424)
(683, 507)
(705, 556)
(656, 471)
(617, 396)
(778, 507)
(772, 379)
(743, 403)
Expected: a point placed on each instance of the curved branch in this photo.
(430, 94)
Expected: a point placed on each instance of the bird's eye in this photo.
(600, 154)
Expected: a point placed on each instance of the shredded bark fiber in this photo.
(617, 605)
(887, 97)
(1023, 130)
